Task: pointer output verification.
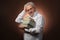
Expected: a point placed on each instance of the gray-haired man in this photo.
(36, 32)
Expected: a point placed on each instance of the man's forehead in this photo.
(28, 7)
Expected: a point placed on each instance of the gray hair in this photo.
(29, 3)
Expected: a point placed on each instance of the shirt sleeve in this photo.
(39, 25)
(19, 17)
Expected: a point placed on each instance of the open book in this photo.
(28, 22)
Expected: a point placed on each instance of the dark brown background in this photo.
(9, 9)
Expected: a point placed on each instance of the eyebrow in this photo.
(29, 9)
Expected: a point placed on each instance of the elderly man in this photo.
(35, 33)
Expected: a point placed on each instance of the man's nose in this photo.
(30, 11)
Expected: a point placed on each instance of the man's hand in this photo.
(21, 26)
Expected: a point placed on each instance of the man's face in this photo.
(30, 9)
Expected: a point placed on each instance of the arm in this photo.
(19, 17)
(39, 26)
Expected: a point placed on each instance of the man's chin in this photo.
(31, 13)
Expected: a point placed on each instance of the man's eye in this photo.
(30, 8)
(27, 10)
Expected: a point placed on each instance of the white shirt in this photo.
(38, 18)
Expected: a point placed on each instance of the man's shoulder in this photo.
(39, 14)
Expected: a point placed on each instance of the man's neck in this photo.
(31, 15)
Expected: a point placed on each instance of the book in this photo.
(28, 22)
